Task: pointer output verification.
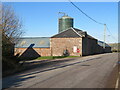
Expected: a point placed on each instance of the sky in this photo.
(40, 19)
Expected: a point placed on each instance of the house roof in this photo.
(73, 33)
(35, 42)
(101, 44)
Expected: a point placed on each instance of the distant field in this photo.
(115, 46)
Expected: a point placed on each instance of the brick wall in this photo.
(58, 45)
(32, 52)
(86, 46)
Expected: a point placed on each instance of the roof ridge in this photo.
(76, 32)
(65, 30)
(78, 29)
(62, 31)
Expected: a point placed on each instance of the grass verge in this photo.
(54, 57)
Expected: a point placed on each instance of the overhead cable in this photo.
(85, 13)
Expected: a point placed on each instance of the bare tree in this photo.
(11, 24)
(11, 28)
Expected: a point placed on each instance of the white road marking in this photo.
(117, 82)
(114, 65)
(116, 86)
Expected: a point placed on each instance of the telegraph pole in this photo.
(104, 35)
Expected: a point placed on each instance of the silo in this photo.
(65, 22)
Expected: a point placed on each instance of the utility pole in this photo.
(104, 35)
(108, 40)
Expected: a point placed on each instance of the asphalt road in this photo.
(96, 71)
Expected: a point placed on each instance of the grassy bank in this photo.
(54, 57)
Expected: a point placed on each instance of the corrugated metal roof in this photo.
(36, 42)
(73, 33)
(101, 44)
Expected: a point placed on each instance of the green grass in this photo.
(54, 57)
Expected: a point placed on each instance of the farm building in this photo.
(33, 47)
(107, 47)
(76, 42)
(73, 42)
(69, 41)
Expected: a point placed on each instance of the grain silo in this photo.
(65, 22)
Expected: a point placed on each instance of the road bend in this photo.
(94, 71)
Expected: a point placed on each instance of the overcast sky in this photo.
(40, 19)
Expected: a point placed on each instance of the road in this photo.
(96, 71)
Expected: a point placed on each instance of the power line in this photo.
(110, 33)
(91, 18)
(85, 13)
